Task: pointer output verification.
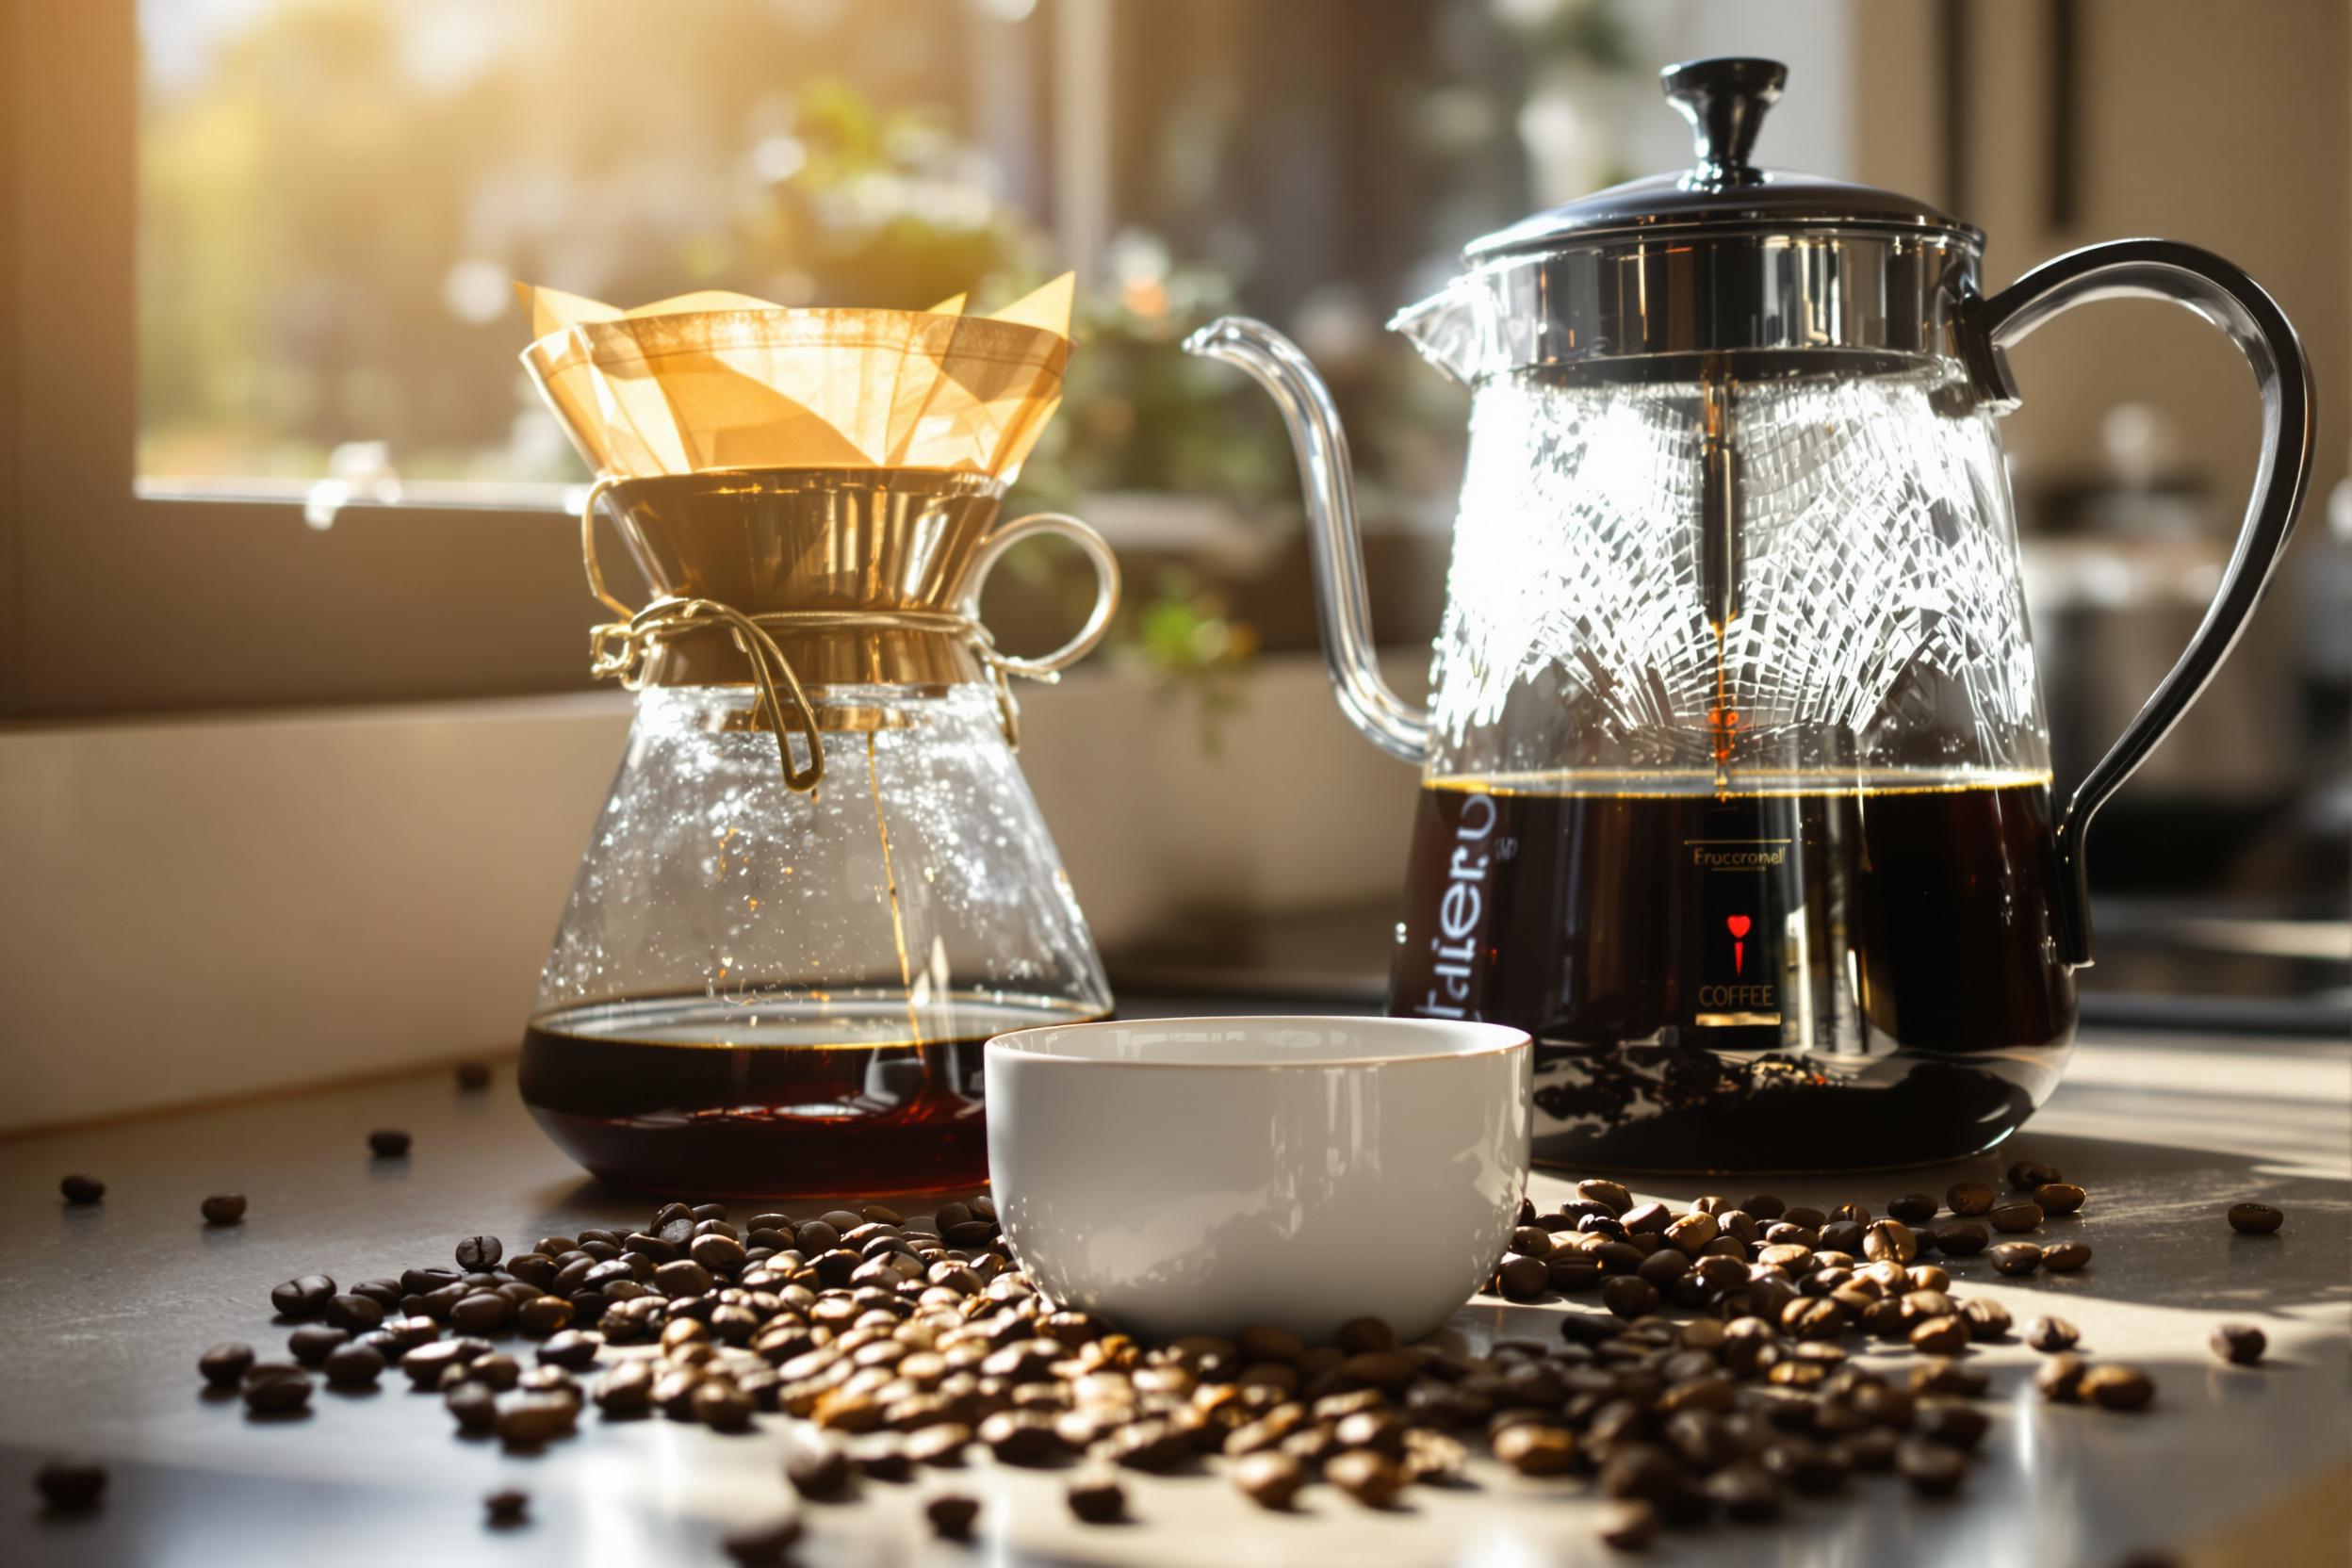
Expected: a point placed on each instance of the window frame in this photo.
(117, 604)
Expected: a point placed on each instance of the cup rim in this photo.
(1487, 1039)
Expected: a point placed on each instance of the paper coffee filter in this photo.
(725, 381)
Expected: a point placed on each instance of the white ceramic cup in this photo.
(1201, 1175)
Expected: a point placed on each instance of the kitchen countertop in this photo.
(102, 1311)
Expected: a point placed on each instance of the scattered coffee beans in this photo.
(82, 1189)
(2053, 1335)
(2241, 1344)
(225, 1364)
(71, 1485)
(388, 1143)
(2026, 1175)
(1970, 1199)
(305, 1296)
(1367, 1476)
(2064, 1257)
(2059, 1197)
(951, 1515)
(1914, 1208)
(2016, 1218)
(276, 1388)
(223, 1208)
(2016, 1257)
(1099, 1501)
(2254, 1219)
(2113, 1387)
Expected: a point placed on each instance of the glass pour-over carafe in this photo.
(820, 881)
(1736, 780)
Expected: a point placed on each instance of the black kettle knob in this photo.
(1724, 100)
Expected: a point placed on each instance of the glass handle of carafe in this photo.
(1342, 603)
(2221, 293)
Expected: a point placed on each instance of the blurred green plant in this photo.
(1185, 634)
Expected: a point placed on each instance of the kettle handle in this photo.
(2221, 293)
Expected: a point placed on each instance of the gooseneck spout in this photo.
(1343, 608)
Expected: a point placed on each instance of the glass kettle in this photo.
(1736, 778)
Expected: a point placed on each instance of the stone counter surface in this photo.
(102, 1311)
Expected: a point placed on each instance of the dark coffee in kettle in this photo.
(1777, 976)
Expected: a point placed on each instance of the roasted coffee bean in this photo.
(1521, 1278)
(509, 1507)
(388, 1143)
(574, 1350)
(480, 1252)
(354, 1312)
(720, 1254)
(2016, 1257)
(1912, 1208)
(1969, 1199)
(1986, 1318)
(2255, 1219)
(496, 1372)
(1534, 1448)
(1847, 1236)
(303, 1296)
(1932, 1469)
(940, 1445)
(2241, 1344)
(818, 1472)
(2059, 1197)
(1370, 1478)
(1746, 1493)
(763, 1546)
(2064, 1257)
(1268, 1478)
(531, 1418)
(2059, 1380)
(274, 1388)
(485, 1312)
(2117, 1387)
(1951, 1422)
(1646, 1220)
(1611, 1195)
(722, 1406)
(225, 1364)
(1890, 1241)
(682, 1277)
(951, 1515)
(2016, 1218)
(1097, 1500)
(546, 1315)
(355, 1365)
(71, 1485)
(1630, 1525)
(1692, 1234)
(1939, 1336)
(2025, 1175)
(1629, 1296)
(473, 1075)
(1365, 1335)
(313, 1342)
(223, 1208)
(424, 1282)
(2052, 1334)
(82, 1189)
(1961, 1238)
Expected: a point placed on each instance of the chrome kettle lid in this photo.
(1724, 100)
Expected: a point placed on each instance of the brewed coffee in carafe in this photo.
(819, 882)
(1736, 786)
